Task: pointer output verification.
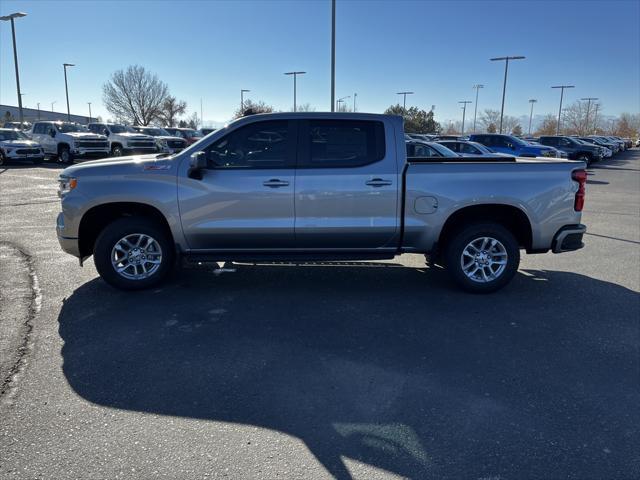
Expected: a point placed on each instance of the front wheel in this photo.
(116, 151)
(64, 155)
(482, 258)
(133, 253)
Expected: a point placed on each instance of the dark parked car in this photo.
(421, 149)
(189, 134)
(207, 131)
(575, 149)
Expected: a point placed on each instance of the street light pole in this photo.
(355, 95)
(242, 92)
(531, 101)
(55, 101)
(38, 111)
(66, 88)
(341, 100)
(404, 101)
(295, 76)
(333, 54)
(595, 119)
(504, 85)
(89, 111)
(561, 87)
(589, 99)
(464, 111)
(475, 111)
(10, 18)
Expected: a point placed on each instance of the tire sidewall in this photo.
(61, 155)
(120, 228)
(116, 151)
(459, 240)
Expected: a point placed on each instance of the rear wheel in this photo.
(482, 258)
(133, 253)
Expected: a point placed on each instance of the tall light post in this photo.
(52, 103)
(589, 99)
(295, 76)
(333, 54)
(595, 119)
(404, 101)
(89, 103)
(38, 110)
(561, 87)
(504, 85)
(341, 100)
(66, 87)
(355, 95)
(464, 111)
(242, 92)
(10, 18)
(531, 101)
(475, 110)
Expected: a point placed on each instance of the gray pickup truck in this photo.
(312, 187)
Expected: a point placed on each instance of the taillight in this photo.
(579, 176)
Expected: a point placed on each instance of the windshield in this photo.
(120, 129)
(192, 134)
(12, 135)
(442, 150)
(481, 147)
(70, 127)
(519, 141)
(156, 132)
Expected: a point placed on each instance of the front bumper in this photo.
(28, 157)
(140, 151)
(568, 238)
(70, 245)
(91, 153)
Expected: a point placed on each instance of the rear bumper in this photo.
(568, 238)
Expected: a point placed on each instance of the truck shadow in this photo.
(392, 368)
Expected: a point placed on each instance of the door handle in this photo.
(378, 182)
(275, 183)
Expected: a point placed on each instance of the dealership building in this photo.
(12, 113)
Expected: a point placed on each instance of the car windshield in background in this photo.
(70, 127)
(7, 135)
(120, 129)
(156, 132)
(442, 150)
(192, 134)
(519, 141)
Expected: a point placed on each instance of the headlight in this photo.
(162, 142)
(548, 153)
(8, 150)
(66, 184)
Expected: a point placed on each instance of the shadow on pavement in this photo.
(381, 363)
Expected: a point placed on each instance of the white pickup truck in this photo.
(318, 186)
(124, 140)
(67, 141)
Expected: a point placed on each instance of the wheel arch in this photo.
(97, 218)
(509, 216)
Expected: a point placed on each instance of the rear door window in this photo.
(341, 143)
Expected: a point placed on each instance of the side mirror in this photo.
(197, 163)
(511, 146)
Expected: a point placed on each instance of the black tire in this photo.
(2, 159)
(64, 155)
(116, 151)
(121, 228)
(459, 241)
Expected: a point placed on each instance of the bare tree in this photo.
(517, 130)
(488, 117)
(305, 107)
(548, 125)
(509, 123)
(251, 107)
(171, 110)
(135, 95)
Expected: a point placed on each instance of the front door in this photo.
(347, 185)
(245, 198)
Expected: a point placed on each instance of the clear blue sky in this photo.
(212, 49)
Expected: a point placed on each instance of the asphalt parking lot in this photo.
(362, 370)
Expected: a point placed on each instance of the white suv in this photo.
(15, 145)
(124, 140)
(67, 141)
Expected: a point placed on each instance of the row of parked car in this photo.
(588, 149)
(67, 141)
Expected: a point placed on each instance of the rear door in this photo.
(244, 200)
(347, 185)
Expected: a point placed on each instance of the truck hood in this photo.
(163, 137)
(19, 143)
(84, 135)
(134, 136)
(119, 165)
